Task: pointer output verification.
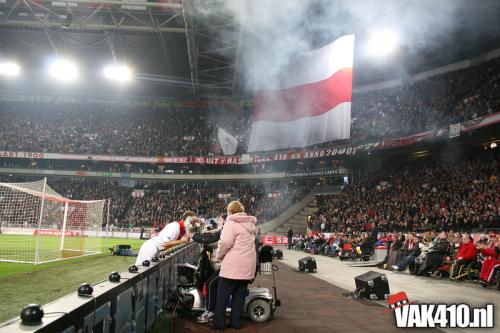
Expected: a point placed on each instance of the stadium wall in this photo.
(133, 304)
(180, 177)
(70, 232)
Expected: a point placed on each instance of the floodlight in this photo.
(493, 145)
(119, 73)
(64, 70)
(8, 68)
(383, 42)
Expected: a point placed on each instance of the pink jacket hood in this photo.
(247, 221)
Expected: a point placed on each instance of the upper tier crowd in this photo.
(153, 131)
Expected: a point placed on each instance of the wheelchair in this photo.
(495, 283)
(444, 269)
(468, 271)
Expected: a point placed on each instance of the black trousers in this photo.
(289, 242)
(212, 286)
(236, 288)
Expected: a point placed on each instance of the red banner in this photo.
(273, 240)
(52, 232)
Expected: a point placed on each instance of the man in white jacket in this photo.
(172, 234)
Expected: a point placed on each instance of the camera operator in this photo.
(209, 240)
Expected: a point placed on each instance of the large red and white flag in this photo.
(311, 103)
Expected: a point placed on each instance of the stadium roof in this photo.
(191, 49)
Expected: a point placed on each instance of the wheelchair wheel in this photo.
(437, 274)
(259, 310)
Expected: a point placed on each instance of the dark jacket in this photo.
(207, 238)
(204, 269)
(440, 245)
(416, 250)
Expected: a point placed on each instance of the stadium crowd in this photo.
(157, 204)
(424, 212)
(149, 130)
(421, 196)
(427, 104)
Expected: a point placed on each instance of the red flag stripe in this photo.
(307, 100)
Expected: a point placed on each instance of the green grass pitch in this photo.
(21, 284)
(22, 248)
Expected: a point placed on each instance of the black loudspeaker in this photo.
(32, 314)
(307, 263)
(85, 289)
(114, 277)
(372, 285)
(277, 254)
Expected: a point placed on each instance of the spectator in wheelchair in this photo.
(467, 254)
(491, 264)
(434, 257)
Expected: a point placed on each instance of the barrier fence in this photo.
(131, 305)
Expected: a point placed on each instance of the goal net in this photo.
(38, 225)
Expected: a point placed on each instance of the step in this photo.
(297, 225)
(297, 220)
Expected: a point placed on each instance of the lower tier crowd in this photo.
(459, 256)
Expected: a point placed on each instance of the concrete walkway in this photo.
(313, 306)
(421, 289)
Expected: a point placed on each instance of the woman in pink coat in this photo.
(236, 249)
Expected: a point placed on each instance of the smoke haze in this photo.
(274, 32)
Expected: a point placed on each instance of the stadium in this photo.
(285, 166)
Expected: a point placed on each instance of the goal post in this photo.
(39, 225)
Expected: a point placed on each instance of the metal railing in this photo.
(131, 305)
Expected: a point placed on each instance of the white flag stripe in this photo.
(331, 125)
(319, 64)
